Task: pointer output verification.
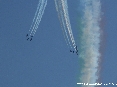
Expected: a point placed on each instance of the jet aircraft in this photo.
(74, 51)
(30, 39)
(26, 35)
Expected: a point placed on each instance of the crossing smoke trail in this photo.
(90, 41)
(62, 9)
(37, 18)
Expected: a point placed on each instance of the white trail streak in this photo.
(62, 21)
(66, 16)
(62, 9)
(35, 15)
(37, 18)
(40, 16)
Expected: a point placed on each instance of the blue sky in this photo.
(109, 61)
(46, 60)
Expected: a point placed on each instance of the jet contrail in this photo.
(62, 9)
(62, 21)
(37, 18)
(90, 40)
(35, 15)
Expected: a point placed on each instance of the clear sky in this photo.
(109, 61)
(46, 60)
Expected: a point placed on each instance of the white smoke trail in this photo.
(90, 40)
(62, 9)
(35, 15)
(62, 21)
(66, 16)
(37, 18)
(40, 16)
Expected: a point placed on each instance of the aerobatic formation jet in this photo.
(27, 35)
(29, 38)
(76, 50)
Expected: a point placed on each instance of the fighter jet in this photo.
(73, 51)
(30, 39)
(26, 35)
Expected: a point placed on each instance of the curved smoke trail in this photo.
(90, 40)
(37, 18)
(62, 9)
(62, 21)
